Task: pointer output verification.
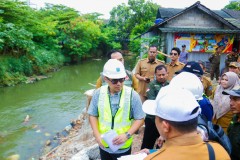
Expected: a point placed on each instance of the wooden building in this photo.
(199, 28)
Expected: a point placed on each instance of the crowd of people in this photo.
(167, 99)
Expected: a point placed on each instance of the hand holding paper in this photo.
(108, 138)
(121, 138)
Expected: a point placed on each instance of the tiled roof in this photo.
(234, 21)
(231, 16)
(233, 13)
(165, 13)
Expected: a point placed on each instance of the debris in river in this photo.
(68, 127)
(47, 134)
(14, 157)
(38, 131)
(26, 119)
(34, 126)
(48, 142)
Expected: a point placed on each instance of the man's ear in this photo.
(165, 126)
(105, 79)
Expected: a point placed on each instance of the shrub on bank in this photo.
(16, 70)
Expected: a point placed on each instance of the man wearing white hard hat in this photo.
(176, 116)
(115, 109)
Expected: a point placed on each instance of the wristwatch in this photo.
(128, 135)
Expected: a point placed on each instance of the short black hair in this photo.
(176, 49)
(160, 67)
(184, 127)
(109, 54)
(153, 45)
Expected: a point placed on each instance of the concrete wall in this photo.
(194, 18)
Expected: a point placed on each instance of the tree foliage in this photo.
(82, 36)
(14, 40)
(132, 20)
(35, 41)
(235, 5)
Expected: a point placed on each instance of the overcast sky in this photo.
(105, 6)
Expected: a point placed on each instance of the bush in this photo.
(7, 76)
(43, 61)
(14, 70)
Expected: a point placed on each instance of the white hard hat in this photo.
(173, 104)
(190, 82)
(114, 69)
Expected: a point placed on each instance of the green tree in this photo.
(233, 5)
(54, 20)
(82, 36)
(132, 19)
(14, 40)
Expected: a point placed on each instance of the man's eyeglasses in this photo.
(175, 54)
(115, 81)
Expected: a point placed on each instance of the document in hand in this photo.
(108, 138)
(139, 156)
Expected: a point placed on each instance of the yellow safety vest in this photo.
(121, 122)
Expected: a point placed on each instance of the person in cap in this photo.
(195, 68)
(221, 103)
(234, 67)
(150, 132)
(115, 107)
(214, 59)
(183, 55)
(145, 71)
(206, 81)
(174, 65)
(234, 127)
(232, 56)
(176, 116)
(130, 79)
(188, 80)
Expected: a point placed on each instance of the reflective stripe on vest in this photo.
(121, 122)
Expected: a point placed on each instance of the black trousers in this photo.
(108, 156)
(214, 70)
(150, 134)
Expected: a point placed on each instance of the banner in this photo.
(203, 42)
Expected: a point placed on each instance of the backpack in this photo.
(214, 132)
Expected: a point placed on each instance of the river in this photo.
(51, 104)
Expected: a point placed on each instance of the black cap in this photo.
(192, 67)
(234, 92)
